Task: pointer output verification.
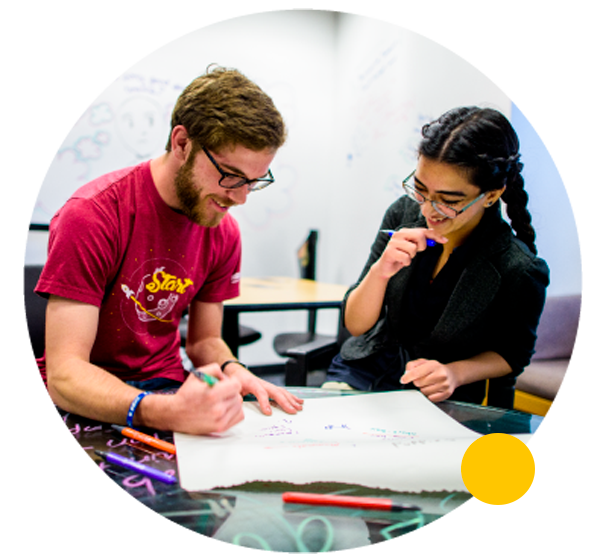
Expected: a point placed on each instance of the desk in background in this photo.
(269, 294)
(253, 515)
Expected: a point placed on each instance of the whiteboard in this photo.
(125, 125)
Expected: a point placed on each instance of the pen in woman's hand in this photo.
(390, 232)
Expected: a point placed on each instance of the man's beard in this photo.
(189, 197)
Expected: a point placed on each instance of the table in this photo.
(269, 294)
(253, 515)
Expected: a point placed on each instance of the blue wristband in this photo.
(134, 406)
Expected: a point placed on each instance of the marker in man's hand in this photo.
(390, 232)
(207, 378)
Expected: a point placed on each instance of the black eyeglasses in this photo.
(232, 181)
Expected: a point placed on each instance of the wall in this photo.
(398, 71)
(354, 92)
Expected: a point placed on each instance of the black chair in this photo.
(316, 354)
(283, 343)
(34, 329)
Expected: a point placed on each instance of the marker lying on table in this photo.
(390, 232)
(345, 501)
(141, 437)
(137, 467)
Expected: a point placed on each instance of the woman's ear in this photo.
(493, 196)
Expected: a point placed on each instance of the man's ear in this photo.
(181, 144)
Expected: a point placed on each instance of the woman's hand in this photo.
(364, 303)
(402, 247)
(438, 381)
(435, 380)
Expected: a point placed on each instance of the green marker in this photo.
(210, 380)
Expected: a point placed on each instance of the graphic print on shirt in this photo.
(152, 292)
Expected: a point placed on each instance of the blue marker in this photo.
(390, 232)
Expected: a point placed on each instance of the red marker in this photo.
(345, 501)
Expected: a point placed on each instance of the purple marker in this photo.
(390, 232)
(137, 467)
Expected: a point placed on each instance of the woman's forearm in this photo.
(364, 303)
(438, 381)
(480, 367)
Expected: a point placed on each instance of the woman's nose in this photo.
(427, 209)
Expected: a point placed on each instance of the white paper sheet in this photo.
(556, 440)
(395, 440)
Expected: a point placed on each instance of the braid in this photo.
(516, 199)
(507, 171)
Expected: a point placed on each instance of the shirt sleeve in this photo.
(519, 315)
(223, 280)
(82, 250)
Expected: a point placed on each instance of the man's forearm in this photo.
(92, 392)
(209, 350)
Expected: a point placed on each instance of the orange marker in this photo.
(141, 437)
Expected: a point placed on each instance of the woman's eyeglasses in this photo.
(445, 210)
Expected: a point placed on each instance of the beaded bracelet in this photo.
(232, 362)
(134, 406)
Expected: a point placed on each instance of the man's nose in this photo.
(239, 195)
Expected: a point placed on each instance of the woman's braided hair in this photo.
(483, 143)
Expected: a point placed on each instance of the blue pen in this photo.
(390, 232)
(137, 467)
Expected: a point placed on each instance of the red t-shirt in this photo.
(117, 245)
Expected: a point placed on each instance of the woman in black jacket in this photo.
(451, 296)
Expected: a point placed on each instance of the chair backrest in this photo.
(35, 310)
(307, 256)
(307, 261)
(558, 326)
(556, 334)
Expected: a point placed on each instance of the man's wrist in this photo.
(230, 362)
(133, 407)
(154, 411)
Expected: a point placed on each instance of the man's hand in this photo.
(198, 408)
(263, 391)
(435, 380)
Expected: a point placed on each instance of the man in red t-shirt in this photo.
(131, 250)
